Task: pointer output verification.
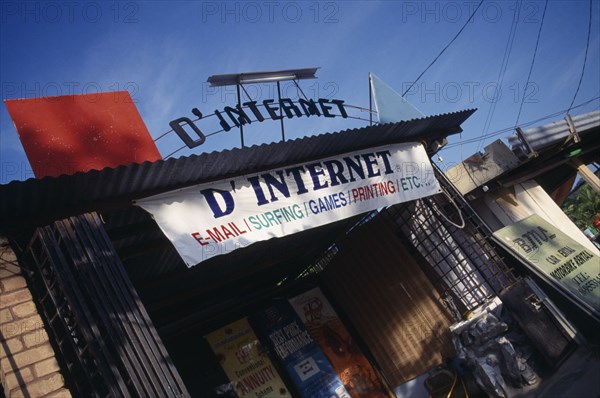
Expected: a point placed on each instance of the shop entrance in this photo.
(392, 312)
(396, 280)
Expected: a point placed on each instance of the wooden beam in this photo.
(587, 174)
(539, 167)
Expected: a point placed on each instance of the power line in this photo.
(537, 42)
(445, 48)
(509, 129)
(503, 66)
(587, 46)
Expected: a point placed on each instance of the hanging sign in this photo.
(551, 251)
(215, 218)
(324, 325)
(297, 352)
(245, 362)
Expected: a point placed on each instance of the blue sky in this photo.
(163, 52)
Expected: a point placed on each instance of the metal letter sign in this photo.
(242, 114)
(215, 218)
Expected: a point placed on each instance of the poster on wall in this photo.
(554, 253)
(305, 363)
(245, 362)
(326, 328)
(207, 220)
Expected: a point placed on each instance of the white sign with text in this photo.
(215, 218)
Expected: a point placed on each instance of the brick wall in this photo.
(28, 367)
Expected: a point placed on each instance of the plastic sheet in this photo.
(481, 341)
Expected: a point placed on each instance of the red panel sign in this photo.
(72, 133)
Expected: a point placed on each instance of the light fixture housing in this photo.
(262, 77)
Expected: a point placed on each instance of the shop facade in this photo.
(358, 306)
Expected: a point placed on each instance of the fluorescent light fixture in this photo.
(262, 77)
(276, 78)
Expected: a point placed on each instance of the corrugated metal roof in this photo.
(38, 202)
(552, 134)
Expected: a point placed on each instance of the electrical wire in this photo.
(587, 46)
(509, 129)
(246, 92)
(451, 200)
(503, 66)
(300, 88)
(445, 48)
(537, 42)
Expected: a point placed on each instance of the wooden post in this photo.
(586, 174)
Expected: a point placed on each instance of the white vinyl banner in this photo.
(216, 218)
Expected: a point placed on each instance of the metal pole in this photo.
(370, 103)
(240, 107)
(280, 111)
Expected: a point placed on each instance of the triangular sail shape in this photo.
(391, 106)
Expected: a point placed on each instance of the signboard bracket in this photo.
(280, 111)
(240, 107)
